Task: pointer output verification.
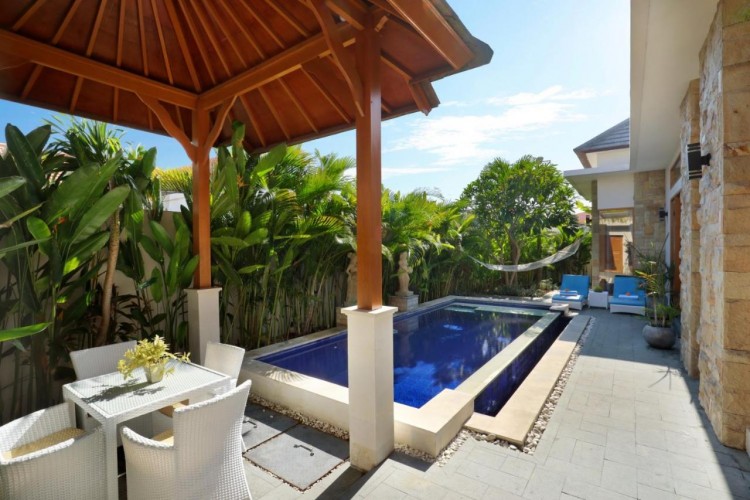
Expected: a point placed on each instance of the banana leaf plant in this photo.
(50, 240)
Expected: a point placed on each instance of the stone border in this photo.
(516, 418)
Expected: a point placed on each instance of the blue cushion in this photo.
(577, 283)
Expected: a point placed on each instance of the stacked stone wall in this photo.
(648, 197)
(690, 277)
(595, 234)
(724, 218)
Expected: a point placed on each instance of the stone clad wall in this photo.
(724, 217)
(595, 234)
(648, 197)
(690, 298)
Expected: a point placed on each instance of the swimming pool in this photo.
(433, 350)
(473, 363)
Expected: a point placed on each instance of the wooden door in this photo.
(615, 243)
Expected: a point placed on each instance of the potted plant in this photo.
(152, 356)
(656, 278)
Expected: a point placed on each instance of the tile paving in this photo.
(628, 425)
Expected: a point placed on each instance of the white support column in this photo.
(203, 320)
(370, 339)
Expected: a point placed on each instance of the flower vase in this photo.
(154, 373)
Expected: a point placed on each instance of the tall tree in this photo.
(515, 202)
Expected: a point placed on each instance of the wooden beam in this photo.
(273, 68)
(298, 105)
(212, 39)
(327, 95)
(344, 60)
(27, 15)
(259, 19)
(416, 89)
(253, 120)
(169, 125)
(162, 43)
(353, 12)
(221, 115)
(31, 81)
(243, 29)
(182, 43)
(201, 200)
(199, 42)
(274, 112)
(64, 25)
(369, 237)
(142, 33)
(288, 17)
(61, 60)
(120, 32)
(428, 22)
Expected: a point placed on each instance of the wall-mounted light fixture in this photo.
(696, 160)
(662, 214)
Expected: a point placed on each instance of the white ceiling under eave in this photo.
(666, 37)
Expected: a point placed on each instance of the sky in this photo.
(560, 75)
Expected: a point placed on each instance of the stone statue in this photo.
(403, 275)
(351, 280)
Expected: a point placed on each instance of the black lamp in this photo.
(663, 213)
(696, 160)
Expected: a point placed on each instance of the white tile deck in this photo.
(627, 426)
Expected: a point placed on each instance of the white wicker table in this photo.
(112, 400)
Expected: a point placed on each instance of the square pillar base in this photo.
(203, 320)
(371, 428)
(404, 302)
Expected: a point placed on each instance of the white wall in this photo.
(615, 191)
(614, 158)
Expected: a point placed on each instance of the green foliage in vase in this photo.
(148, 353)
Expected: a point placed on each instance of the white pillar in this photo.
(203, 320)
(370, 339)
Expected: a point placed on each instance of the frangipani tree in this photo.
(515, 202)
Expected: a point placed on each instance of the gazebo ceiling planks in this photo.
(116, 60)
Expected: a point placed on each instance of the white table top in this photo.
(110, 397)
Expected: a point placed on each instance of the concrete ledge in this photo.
(431, 427)
(516, 418)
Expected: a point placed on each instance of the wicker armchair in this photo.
(222, 358)
(96, 361)
(43, 456)
(201, 459)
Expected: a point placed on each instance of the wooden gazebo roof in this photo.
(283, 67)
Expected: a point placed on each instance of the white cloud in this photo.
(455, 139)
(389, 172)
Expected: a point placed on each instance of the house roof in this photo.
(285, 68)
(617, 137)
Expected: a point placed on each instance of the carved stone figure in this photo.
(403, 275)
(351, 280)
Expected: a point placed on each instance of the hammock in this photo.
(563, 254)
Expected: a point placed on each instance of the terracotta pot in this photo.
(659, 337)
(154, 373)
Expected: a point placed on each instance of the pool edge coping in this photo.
(516, 418)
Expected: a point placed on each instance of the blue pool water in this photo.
(433, 350)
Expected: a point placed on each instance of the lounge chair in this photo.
(574, 291)
(628, 295)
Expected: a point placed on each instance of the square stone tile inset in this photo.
(261, 424)
(300, 456)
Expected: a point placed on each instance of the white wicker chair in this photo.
(203, 461)
(226, 359)
(72, 468)
(97, 361)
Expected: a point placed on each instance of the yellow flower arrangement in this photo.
(152, 356)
